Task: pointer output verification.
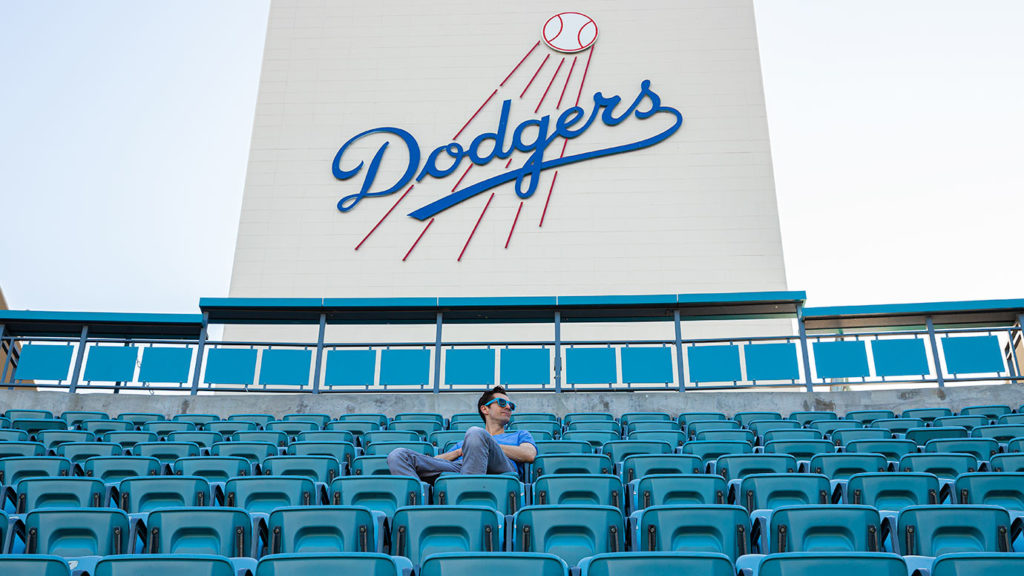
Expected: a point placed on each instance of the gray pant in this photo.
(481, 454)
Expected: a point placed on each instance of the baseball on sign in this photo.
(570, 32)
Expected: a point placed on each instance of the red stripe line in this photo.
(460, 179)
(456, 137)
(544, 213)
(514, 224)
(535, 75)
(585, 70)
(386, 214)
(520, 64)
(564, 142)
(418, 239)
(509, 163)
(545, 95)
(475, 227)
(567, 78)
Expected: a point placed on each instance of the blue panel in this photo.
(972, 354)
(903, 357)
(714, 363)
(405, 367)
(111, 364)
(350, 367)
(469, 367)
(646, 365)
(841, 359)
(285, 367)
(771, 361)
(230, 366)
(525, 366)
(44, 362)
(590, 366)
(165, 365)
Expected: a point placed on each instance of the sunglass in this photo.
(502, 403)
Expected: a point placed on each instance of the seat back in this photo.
(630, 563)
(203, 439)
(825, 529)
(99, 426)
(671, 437)
(34, 565)
(694, 427)
(760, 427)
(630, 417)
(897, 425)
(1001, 433)
(945, 466)
(868, 416)
(163, 565)
(745, 418)
(600, 425)
(994, 489)
(736, 435)
(21, 449)
(210, 530)
(261, 494)
(709, 451)
(981, 448)
(736, 466)
(385, 448)
(892, 490)
(374, 436)
(679, 490)
(502, 493)
(798, 434)
(197, 419)
(75, 417)
(512, 564)
(926, 414)
(719, 528)
(563, 447)
(166, 452)
(382, 493)
(273, 437)
(547, 429)
(421, 427)
(622, 448)
(370, 466)
(38, 493)
(114, 469)
(973, 564)
(572, 417)
(808, 416)
(71, 532)
(640, 465)
(968, 422)
(572, 464)
(254, 452)
(419, 531)
(686, 417)
(843, 466)
(228, 427)
(990, 411)
(891, 449)
(320, 420)
(79, 452)
(147, 493)
(53, 438)
(845, 436)
(1007, 463)
(596, 438)
(17, 468)
(768, 491)
(579, 489)
(652, 426)
(830, 426)
(362, 563)
(307, 529)
(379, 419)
(921, 436)
(800, 449)
(569, 532)
(164, 427)
(343, 452)
(833, 564)
(937, 530)
(317, 468)
(212, 468)
(127, 439)
(139, 418)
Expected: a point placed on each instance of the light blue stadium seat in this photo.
(799, 434)
(1001, 433)
(79, 452)
(620, 449)
(421, 427)
(686, 417)
(317, 468)
(711, 451)
(868, 416)
(677, 490)
(370, 466)
(502, 493)
(166, 452)
(261, 494)
(721, 529)
(127, 439)
(21, 449)
(228, 427)
(533, 417)
(381, 493)
(275, 437)
(82, 534)
(927, 414)
(37, 565)
(144, 494)
(845, 436)
(343, 452)
(843, 466)
(980, 448)
(808, 416)
(14, 414)
(1007, 463)
(372, 436)
(442, 437)
(254, 452)
(694, 427)
(599, 425)
(628, 417)
(291, 428)
(572, 464)
(17, 468)
(385, 448)
(737, 435)
(651, 426)
(327, 436)
(539, 430)
(945, 466)
(745, 418)
(212, 468)
(831, 564)
(363, 564)
(800, 449)
(988, 488)
(1015, 419)
(563, 447)
(463, 425)
(892, 449)
(114, 469)
(968, 422)
(769, 491)
(33, 426)
(569, 532)
(164, 427)
(260, 419)
(760, 427)
(164, 565)
(579, 489)
(419, 531)
(465, 417)
(846, 528)
(319, 529)
(737, 466)
(38, 493)
(199, 420)
(990, 411)
(571, 417)
(973, 564)
(639, 465)
(830, 426)
(218, 530)
(897, 425)
(938, 530)
(8, 435)
(320, 420)
(921, 436)
(673, 438)
(892, 490)
(356, 427)
(53, 438)
(657, 564)
(380, 419)
(139, 418)
(100, 427)
(204, 439)
(512, 564)
(596, 438)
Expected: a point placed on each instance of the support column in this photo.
(681, 374)
(200, 349)
(437, 354)
(935, 353)
(319, 353)
(78, 360)
(804, 348)
(558, 351)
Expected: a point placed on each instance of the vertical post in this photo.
(1013, 348)
(319, 353)
(200, 349)
(679, 351)
(10, 352)
(935, 353)
(804, 347)
(78, 360)
(437, 354)
(558, 351)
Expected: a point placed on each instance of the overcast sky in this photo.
(896, 132)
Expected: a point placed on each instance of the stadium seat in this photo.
(572, 417)
(164, 427)
(199, 420)
(579, 489)
(892, 490)
(694, 427)
(364, 563)
(674, 438)
(927, 414)
(571, 464)
(261, 494)
(921, 436)
(33, 426)
(228, 427)
(385, 448)
(944, 465)
(1015, 419)
(212, 468)
(144, 494)
(166, 452)
(760, 427)
(441, 438)
(127, 439)
(596, 438)
(502, 493)
(800, 449)
(372, 436)
(421, 427)
(274, 437)
(808, 416)
(570, 532)
(320, 420)
(737, 435)
(260, 419)
(208, 530)
(718, 528)
(737, 466)
(138, 418)
(53, 438)
(845, 436)
(1006, 463)
(769, 491)
(629, 417)
(620, 449)
(37, 565)
(745, 418)
(993, 489)
(419, 531)
(382, 493)
(657, 563)
(991, 411)
(8, 435)
(318, 529)
(79, 452)
(1001, 433)
(897, 426)
(599, 425)
(343, 452)
(317, 468)
(114, 469)
(711, 451)
(539, 430)
(21, 449)
(980, 448)
(974, 564)
(892, 449)
(463, 425)
(843, 466)
(533, 417)
(799, 434)
(828, 427)
(651, 426)
(327, 436)
(17, 468)
(967, 422)
(380, 419)
(830, 563)
(639, 465)
(563, 447)
(37, 493)
(845, 528)
(15, 414)
(512, 564)
(370, 466)
(82, 534)
(204, 439)
(100, 427)
(254, 452)
(677, 490)
(938, 530)
(867, 416)
(165, 565)
(687, 417)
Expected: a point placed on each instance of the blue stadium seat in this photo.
(373, 436)
(318, 529)
(21, 449)
(673, 438)
(800, 449)
(927, 414)
(166, 452)
(563, 447)
(599, 425)
(512, 564)
(973, 564)
(569, 532)
(14, 414)
(53, 438)
(596, 438)
(164, 427)
(897, 425)
(990, 411)
(382, 493)
(945, 466)
(831, 563)
(327, 436)
(629, 417)
(1016, 419)
(721, 529)
(845, 436)
(370, 466)
(74, 417)
(830, 426)
(843, 466)
(760, 427)
(967, 422)
(33, 426)
(254, 452)
(421, 427)
(799, 434)
(677, 490)
(364, 564)
(769, 491)
(261, 494)
(127, 439)
(385, 448)
(8, 435)
(532, 417)
(745, 418)
(37, 493)
(572, 464)
(274, 437)
(209, 530)
(441, 438)
(100, 427)
(921, 436)
(261, 420)
(38, 565)
(79, 452)
(1007, 463)
(317, 468)
(139, 418)
(17, 468)
(808, 416)
(709, 452)
(320, 420)
(892, 449)
(651, 426)
(694, 427)
(212, 468)
(737, 466)
(938, 530)
(419, 531)
(657, 563)
(199, 420)
(686, 417)
(204, 439)
(144, 494)
(228, 427)
(1001, 433)
(539, 430)
(579, 489)
(164, 565)
(620, 449)
(737, 435)
(980, 448)
(892, 490)
(639, 465)
(868, 416)
(343, 452)
(463, 425)
(83, 534)
(114, 469)
(502, 493)
(572, 417)
(380, 419)
(846, 528)
(993, 489)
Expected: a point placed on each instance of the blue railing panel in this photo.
(111, 364)
(771, 361)
(469, 366)
(350, 367)
(285, 367)
(643, 365)
(405, 367)
(714, 363)
(840, 359)
(230, 366)
(972, 354)
(525, 366)
(165, 365)
(44, 362)
(900, 357)
(590, 366)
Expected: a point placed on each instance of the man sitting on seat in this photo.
(489, 450)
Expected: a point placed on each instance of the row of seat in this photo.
(528, 564)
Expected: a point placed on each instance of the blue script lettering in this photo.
(349, 202)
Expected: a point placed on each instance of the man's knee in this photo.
(474, 436)
(397, 457)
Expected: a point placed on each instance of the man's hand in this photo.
(524, 453)
(451, 456)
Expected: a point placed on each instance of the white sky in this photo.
(896, 133)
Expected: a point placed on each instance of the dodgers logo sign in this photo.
(532, 143)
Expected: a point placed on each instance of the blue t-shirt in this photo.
(508, 439)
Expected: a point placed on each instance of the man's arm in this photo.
(524, 453)
(452, 456)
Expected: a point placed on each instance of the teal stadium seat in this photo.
(166, 452)
(1001, 433)
(164, 565)
(74, 417)
(745, 418)
(204, 439)
(511, 563)
(563, 447)
(127, 439)
(799, 434)
(320, 420)
(38, 493)
(678, 490)
(800, 449)
(380, 419)
(808, 416)
(343, 452)
(686, 417)
(261, 494)
(921, 436)
(327, 436)
(421, 427)
(364, 564)
(254, 452)
(938, 530)
(968, 422)
(673, 438)
(100, 427)
(694, 427)
(218, 530)
(371, 466)
(212, 468)
(620, 449)
(502, 493)
(534, 416)
(639, 465)
(373, 436)
(990, 411)
(720, 529)
(579, 489)
(441, 438)
(21, 449)
(8, 435)
(651, 426)
(52, 438)
(897, 425)
(81, 533)
(114, 469)
(824, 529)
(770, 491)
(1011, 419)
(892, 490)
(547, 430)
(274, 437)
(945, 466)
(973, 564)
(382, 493)
(737, 466)
(843, 466)
(893, 449)
(709, 451)
(145, 494)
(15, 414)
(317, 468)
(15, 469)
(419, 531)
(868, 416)
(657, 564)
(1007, 463)
(831, 563)
(760, 427)
(569, 532)
(79, 452)
(385, 448)
(598, 425)
(980, 448)
(845, 436)
(572, 417)
(993, 489)
(738, 435)
(228, 427)
(629, 417)
(139, 418)
(164, 427)
(828, 427)
(38, 565)
(199, 420)
(596, 438)
(572, 464)
(318, 529)
(927, 414)
(33, 426)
